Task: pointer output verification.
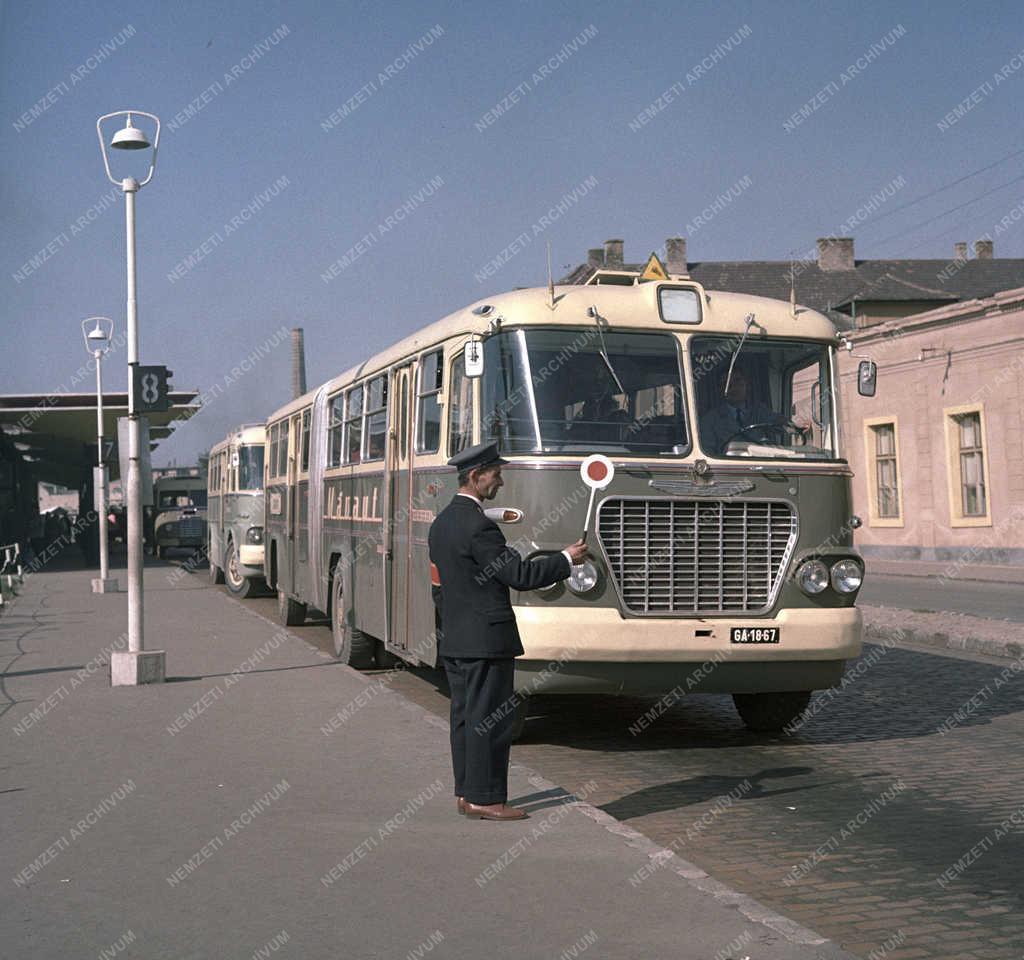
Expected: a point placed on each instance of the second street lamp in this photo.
(98, 332)
(136, 664)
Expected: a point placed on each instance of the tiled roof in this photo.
(832, 291)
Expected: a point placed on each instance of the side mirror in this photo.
(473, 359)
(867, 378)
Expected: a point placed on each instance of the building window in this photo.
(354, 425)
(376, 417)
(969, 501)
(884, 474)
(428, 420)
(335, 427)
(460, 408)
(887, 491)
(972, 465)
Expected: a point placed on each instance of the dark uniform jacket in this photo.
(476, 569)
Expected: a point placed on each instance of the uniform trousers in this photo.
(482, 714)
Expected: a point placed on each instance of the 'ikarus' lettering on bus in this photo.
(357, 509)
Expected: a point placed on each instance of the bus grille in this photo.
(190, 527)
(696, 556)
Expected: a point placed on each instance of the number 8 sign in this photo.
(150, 389)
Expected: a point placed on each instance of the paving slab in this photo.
(267, 800)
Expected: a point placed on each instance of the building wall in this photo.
(929, 366)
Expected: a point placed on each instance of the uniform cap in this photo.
(481, 455)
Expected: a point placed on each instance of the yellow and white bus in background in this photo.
(235, 510)
(722, 555)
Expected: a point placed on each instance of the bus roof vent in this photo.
(622, 278)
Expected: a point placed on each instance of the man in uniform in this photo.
(479, 637)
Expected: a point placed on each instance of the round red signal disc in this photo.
(597, 471)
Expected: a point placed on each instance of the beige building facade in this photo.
(937, 452)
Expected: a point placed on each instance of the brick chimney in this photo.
(835, 253)
(675, 255)
(595, 258)
(613, 254)
(960, 251)
(983, 250)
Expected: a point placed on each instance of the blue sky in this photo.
(863, 129)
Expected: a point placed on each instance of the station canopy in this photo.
(57, 432)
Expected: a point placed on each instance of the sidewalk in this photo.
(267, 801)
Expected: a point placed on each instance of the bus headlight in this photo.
(254, 535)
(812, 577)
(847, 576)
(583, 577)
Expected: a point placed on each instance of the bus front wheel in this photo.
(290, 612)
(351, 646)
(241, 586)
(770, 712)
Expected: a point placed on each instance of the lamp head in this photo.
(97, 336)
(98, 332)
(129, 138)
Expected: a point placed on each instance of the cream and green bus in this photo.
(722, 553)
(235, 510)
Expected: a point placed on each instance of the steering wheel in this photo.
(783, 429)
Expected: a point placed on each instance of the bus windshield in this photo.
(250, 468)
(172, 499)
(765, 399)
(581, 390)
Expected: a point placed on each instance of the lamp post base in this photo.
(131, 668)
(99, 585)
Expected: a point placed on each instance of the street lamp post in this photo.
(97, 343)
(136, 664)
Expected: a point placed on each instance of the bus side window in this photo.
(305, 441)
(354, 425)
(376, 417)
(428, 419)
(282, 451)
(337, 423)
(460, 408)
(275, 444)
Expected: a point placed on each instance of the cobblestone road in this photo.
(888, 820)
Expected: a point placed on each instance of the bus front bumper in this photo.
(594, 650)
(252, 557)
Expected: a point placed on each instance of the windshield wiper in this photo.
(728, 379)
(604, 349)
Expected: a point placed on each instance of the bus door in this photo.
(397, 571)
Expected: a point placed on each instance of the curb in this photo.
(943, 631)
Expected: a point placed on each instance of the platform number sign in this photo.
(151, 389)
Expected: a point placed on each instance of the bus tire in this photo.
(386, 660)
(351, 646)
(290, 612)
(238, 585)
(770, 712)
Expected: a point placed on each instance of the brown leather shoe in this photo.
(493, 811)
(460, 805)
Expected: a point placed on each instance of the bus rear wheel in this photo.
(237, 584)
(770, 712)
(351, 646)
(290, 612)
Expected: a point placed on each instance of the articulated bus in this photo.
(235, 512)
(722, 554)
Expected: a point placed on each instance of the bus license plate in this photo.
(754, 635)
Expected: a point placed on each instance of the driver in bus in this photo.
(737, 413)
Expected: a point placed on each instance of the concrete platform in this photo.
(266, 800)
